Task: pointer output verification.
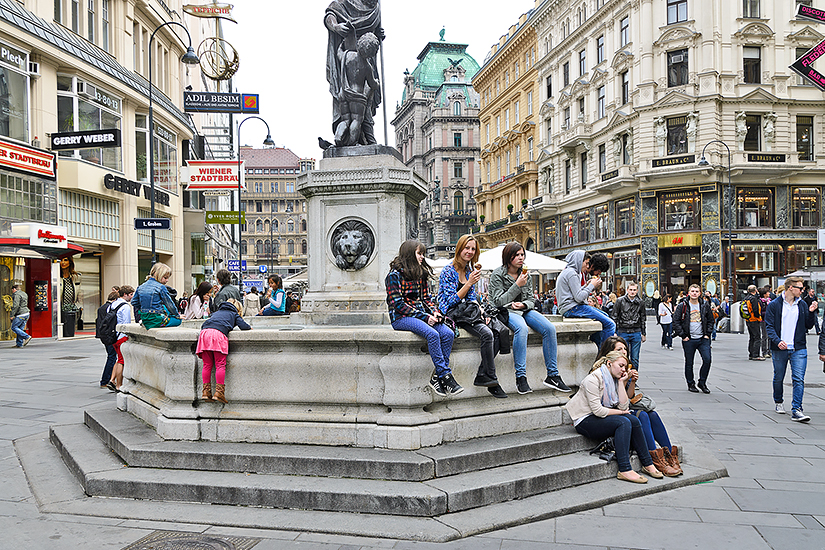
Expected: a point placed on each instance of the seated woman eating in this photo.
(600, 410)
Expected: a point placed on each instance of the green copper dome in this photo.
(437, 56)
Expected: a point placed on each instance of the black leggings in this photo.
(489, 347)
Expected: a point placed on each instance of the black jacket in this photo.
(773, 323)
(225, 319)
(681, 319)
(630, 315)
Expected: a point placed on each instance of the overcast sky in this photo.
(282, 46)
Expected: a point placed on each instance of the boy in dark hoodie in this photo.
(572, 290)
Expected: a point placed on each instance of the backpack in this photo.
(106, 326)
(745, 309)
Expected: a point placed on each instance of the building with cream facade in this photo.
(71, 66)
(508, 89)
(629, 94)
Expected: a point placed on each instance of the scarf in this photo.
(610, 395)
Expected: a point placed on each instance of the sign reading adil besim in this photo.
(21, 158)
(199, 175)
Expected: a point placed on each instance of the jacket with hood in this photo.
(569, 290)
(225, 319)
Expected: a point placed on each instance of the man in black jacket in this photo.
(630, 316)
(693, 323)
(754, 324)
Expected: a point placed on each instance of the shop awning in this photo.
(18, 244)
(49, 241)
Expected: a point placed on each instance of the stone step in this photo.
(102, 474)
(139, 446)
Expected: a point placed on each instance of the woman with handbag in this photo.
(600, 409)
(457, 298)
(512, 288)
(410, 308)
(666, 457)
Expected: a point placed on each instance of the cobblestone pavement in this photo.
(774, 497)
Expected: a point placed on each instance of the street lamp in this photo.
(189, 58)
(268, 141)
(703, 162)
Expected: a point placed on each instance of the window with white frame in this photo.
(88, 217)
(750, 9)
(624, 31)
(529, 103)
(164, 240)
(104, 24)
(530, 149)
(602, 158)
(600, 102)
(677, 11)
(28, 198)
(83, 106)
(752, 64)
(805, 137)
(582, 62)
(90, 21)
(600, 49)
(516, 109)
(677, 68)
(14, 94)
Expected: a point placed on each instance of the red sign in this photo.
(28, 160)
(199, 175)
(677, 240)
(48, 236)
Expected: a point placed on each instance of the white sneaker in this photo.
(780, 409)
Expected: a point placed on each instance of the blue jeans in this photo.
(799, 362)
(690, 347)
(654, 430)
(439, 341)
(634, 342)
(538, 322)
(18, 326)
(625, 429)
(590, 312)
(111, 358)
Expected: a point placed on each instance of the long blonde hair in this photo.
(609, 358)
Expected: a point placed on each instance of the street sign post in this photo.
(232, 265)
(153, 223)
(229, 217)
(261, 269)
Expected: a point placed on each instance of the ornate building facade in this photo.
(631, 93)
(509, 97)
(437, 133)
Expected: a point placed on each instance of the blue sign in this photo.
(257, 283)
(153, 223)
(232, 265)
(262, 269)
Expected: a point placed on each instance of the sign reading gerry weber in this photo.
(62, 141)
(117, 183)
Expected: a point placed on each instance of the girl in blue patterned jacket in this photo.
(411, 309)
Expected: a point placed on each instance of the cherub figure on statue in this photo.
(358, 88)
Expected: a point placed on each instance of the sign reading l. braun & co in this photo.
(28, 160)
(61, 141)
(217, 102)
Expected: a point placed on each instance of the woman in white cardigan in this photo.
(600, 409)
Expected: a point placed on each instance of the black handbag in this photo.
(465, 313)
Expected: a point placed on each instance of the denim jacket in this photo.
(153, 297)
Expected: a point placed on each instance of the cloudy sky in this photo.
(282, 46)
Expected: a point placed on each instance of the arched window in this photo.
(458, 201)
(243, 248)
(259, 247)
(259, 226)
(457, 108)
(303, 226)
(290, 247)
(267, 247)
(277, 245)
(454, 78)
(304, 246)
(266, 226)
(290, 226)
(275, 226)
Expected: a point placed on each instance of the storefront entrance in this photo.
(681, 267)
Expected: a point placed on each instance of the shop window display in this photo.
(626, 217)
(679, 211)
(806, 205)
(755, 207)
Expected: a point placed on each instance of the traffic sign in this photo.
(262, 269)
(153, 223)
(232, 265)
(219, 216)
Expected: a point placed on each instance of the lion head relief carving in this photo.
(352, 244)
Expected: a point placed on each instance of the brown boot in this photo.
(219, 396)
(673, 456)
(207, 392)
(662, 464)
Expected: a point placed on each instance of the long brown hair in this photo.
(407, 263)
(509, 252)
(459, 246)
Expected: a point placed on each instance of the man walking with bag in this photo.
(693, 323)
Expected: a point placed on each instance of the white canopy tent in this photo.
(536, 263)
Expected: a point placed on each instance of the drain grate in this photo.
(179, 540)
(69, 358)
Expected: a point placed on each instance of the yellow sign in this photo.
(215, 10)
(680, 240)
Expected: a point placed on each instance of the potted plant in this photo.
(481, 217)
(524, 203)
(472, 221)
(510, 208)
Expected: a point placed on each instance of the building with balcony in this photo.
(437, 133)
(507, 85)
(629, 96)
(275, 232)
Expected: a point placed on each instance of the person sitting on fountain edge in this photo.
(573, 288)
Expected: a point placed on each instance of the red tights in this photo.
(217, 359)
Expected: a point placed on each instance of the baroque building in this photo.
(508, 91)
(275, 232)
(632, 94)
(437, 134)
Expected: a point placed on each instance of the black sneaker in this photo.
(704, 388)
(485, 381)
(497, 392)
(557, 384)
(692, 388)
(450, 385)
(435, 385)
(522, 385)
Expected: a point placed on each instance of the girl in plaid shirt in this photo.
(412, 309)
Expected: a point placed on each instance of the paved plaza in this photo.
(773, 499)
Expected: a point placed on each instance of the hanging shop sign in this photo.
(214, 10)
(117, 183)
(200, 175)
(41, 235)
(218, 102)
(62, 141)
(28, 160)
(804, 65)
